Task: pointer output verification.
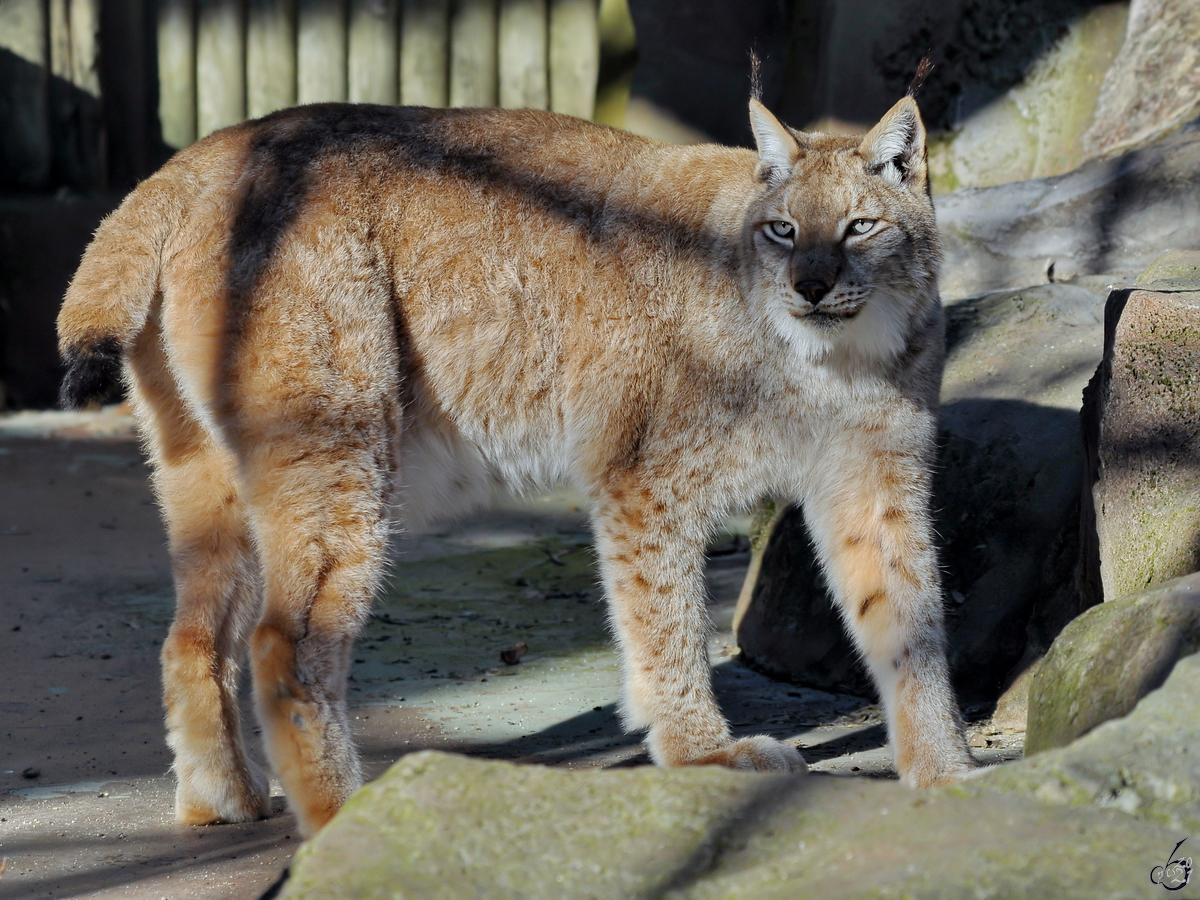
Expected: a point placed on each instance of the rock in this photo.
(1144, 764)
(1112, 215)
(1153, 86)
(1033, 128)
(1142, 435)
(787, 625)
(1006, 502)
(1011, 714)
(1006, 496)
(440, 826)
(1174, 269)
(1110, 657)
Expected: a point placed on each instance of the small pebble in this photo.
(31, 772)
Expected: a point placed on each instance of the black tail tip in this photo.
(93, 373)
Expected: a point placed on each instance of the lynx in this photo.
(338, 317)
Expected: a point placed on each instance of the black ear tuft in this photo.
(924, 67)
(93, 373)
(755, 76)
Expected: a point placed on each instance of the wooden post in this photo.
(574, 56)
(321, 45)
(220, 64)
(374, 62)
(177, 71)
(473, 53)
(84, 23)
(425, 53)
(24, 90)
(270, 56)
(76, 123)
(523, 54)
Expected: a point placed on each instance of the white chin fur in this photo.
(876, 335)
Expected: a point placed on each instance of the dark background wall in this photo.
(839, 62)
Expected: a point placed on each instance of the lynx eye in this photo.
(861, 226)
(785, 230)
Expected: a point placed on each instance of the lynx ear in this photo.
(777, 147)
(895, 148)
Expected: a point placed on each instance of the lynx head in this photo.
(842, 240)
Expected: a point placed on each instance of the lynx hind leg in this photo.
(216, 582)
(871, 524)
(318, 499)
(653, 571)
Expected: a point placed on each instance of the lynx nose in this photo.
(812, 291)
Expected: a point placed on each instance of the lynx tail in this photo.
(110, 297)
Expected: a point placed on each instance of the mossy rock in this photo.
(1142, 435)
(1143, 764)
(1175, 269)
(1110, 657)
(440, 826)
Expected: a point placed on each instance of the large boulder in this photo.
(1032, 128)
(1153, 85)
(1110, 215)
(1142, 433)
(440, 826)
(1006, 497)
(1144, 764)
(1110, 657)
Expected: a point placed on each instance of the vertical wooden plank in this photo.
(177, 71)
(473, 67)
(76, 121)
(574, 56)
(523, 54)
(321, 45)
(374, 75)
(24, 93)
(425, 52)
(126, 54)
(85, 45)
(270, 56)
(59, 23)
(220, 64)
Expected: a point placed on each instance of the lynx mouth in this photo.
(827, 318)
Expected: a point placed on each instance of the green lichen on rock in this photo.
(1147, 490)
(1033, 129)
(1144, 764)
(1178, 268)
(440, 826)
(1110, 657)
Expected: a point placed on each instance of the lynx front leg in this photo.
(871, 524)
(652, 564)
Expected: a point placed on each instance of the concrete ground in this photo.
(85, 601)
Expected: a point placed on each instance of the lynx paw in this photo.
(209, 801)
(947, 773)
(756, 754)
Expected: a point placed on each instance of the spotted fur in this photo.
(338, 317)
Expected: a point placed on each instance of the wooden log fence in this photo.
(221, 61)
